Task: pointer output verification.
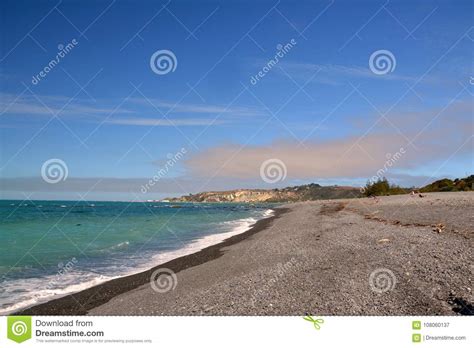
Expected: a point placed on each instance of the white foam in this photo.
(237, 227)
(19, 291)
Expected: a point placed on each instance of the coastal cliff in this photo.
(288, 194)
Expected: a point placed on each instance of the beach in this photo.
(396, 255)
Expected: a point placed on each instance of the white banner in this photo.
(52, 331)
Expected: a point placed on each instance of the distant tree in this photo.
(397, 190)
(443, 185)
(461, 185)
(381, 187)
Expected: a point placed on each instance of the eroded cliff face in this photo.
(289, 194)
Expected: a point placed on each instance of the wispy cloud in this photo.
(166, 186)
(28, 104)
(196, 108)
(351, 158)
(44, 105)
(438, 133)
(333, 74)
(165, 122)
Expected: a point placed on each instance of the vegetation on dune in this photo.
(447, 185)
(382, 187)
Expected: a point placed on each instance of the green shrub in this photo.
(382, 187)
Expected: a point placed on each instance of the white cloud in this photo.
(436, 134)
(332, 74)
(27, 104)
(197, 108)
(165, 122)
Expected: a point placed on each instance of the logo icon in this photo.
(54, 170)
(416, 338)
(163, 62)
(416, 325)
(382, 62)
(163, 280)
(19, 328)
(316, 322)
(382, 280)
(273, 170)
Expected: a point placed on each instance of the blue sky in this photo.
(320, 109)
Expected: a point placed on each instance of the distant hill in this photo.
(444, 185)
(313, 192)
(382, 187)
(288, 194)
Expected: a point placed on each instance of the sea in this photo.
(52, 248)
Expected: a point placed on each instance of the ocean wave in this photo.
(17, 294)
(234, 227)
(119, 245)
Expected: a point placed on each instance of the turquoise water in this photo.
(51, 248)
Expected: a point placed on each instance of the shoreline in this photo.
(81, 302)
(327, 257)
(322, 257)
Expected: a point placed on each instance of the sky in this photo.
(129, 100)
